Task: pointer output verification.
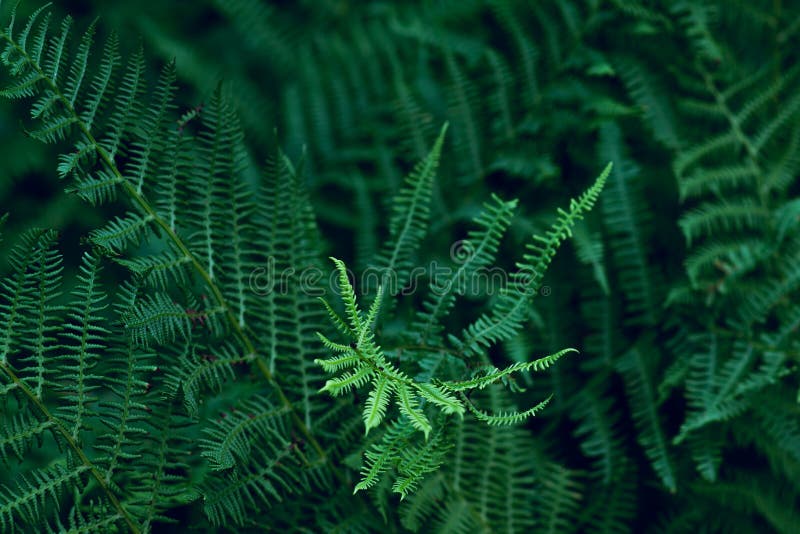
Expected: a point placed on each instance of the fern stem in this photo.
(138, 199)
(736, 127)
(68, 438)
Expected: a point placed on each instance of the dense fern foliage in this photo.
(457, 266)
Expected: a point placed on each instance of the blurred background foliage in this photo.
(680, 290)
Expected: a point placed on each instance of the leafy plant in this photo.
(179, 351)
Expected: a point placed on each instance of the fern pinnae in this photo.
(160, 271)
(347, 381)
(84, 334)
(156, 318)
(493, 374)
(78, 67)
(85, 464)
(411, 409)
(380, 457)
(377, 402)
(151, 130)
(627, 224)
(481, 246)
(20, 431)
(448, 403)
(506, 418)
(560, 496)
(507, 314)
(259, 483)
(407, 225)
(121, 232)
(642, 394)
(32, 492)
(348, 296)
(714, 388)
(417, 462)
(461, 97)
(169, 381)
(205, 370)
(230, 439)
(125, 410)
(131, 90)
(54, 56)
(125, 103)
(337, 321)
(37, 336)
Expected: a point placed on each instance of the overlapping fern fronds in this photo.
(183, 181)
(364, 363)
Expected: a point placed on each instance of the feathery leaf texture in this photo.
(363, 362)
(216, 382)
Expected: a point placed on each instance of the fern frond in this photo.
(493, 375)
(507, 418)
(157, 319)
(126, 145)
(377, 401)
(68, 370)
(627, 223)
(509, 312)
(230, 439)
(480, 248)
(641, 392)
(409, 220)
(271, 470)
(199, 371)
(85, 334)
(717, 390)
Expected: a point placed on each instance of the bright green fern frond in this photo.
(492, 375)
(377, 401)
(507, 418)
(410, 407)
(384, 455)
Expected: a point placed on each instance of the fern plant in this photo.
(123, 391)
(185, 353)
